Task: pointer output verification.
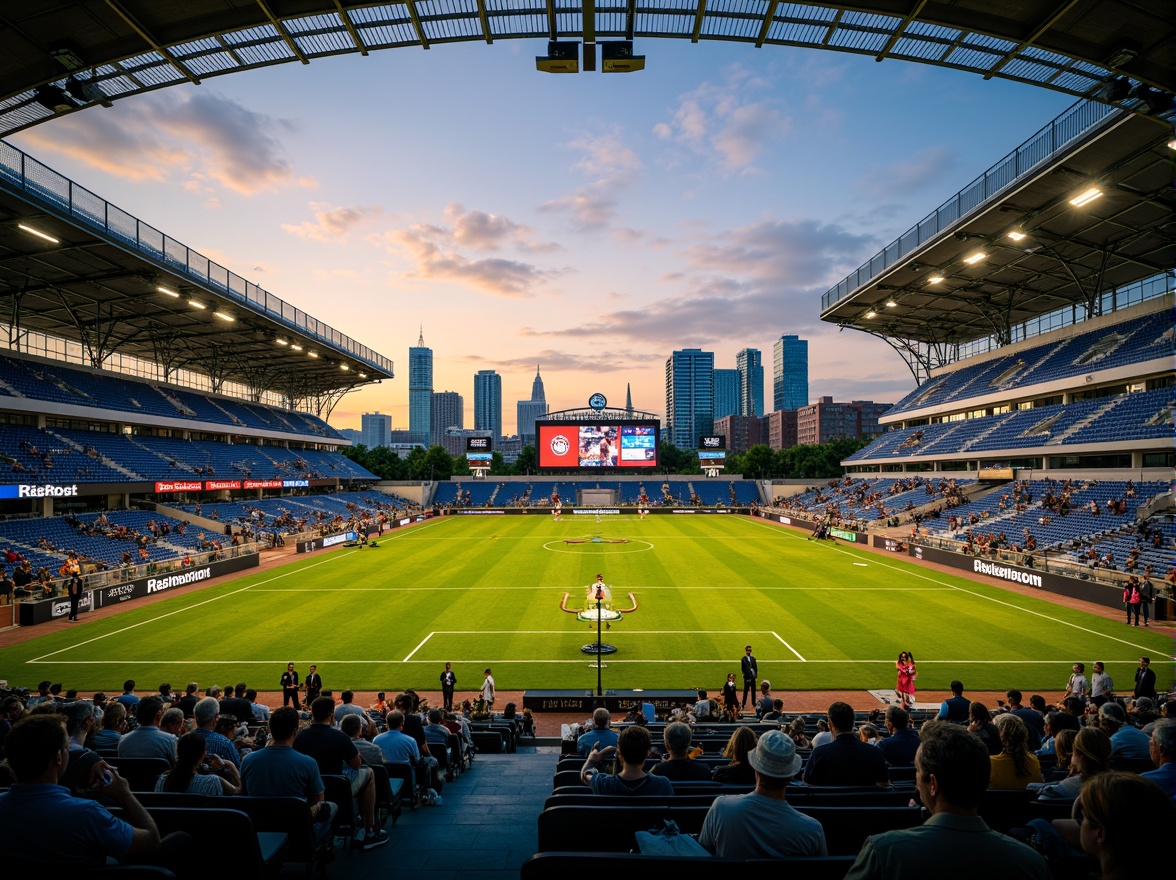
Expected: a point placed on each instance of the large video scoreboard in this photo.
(592, 446)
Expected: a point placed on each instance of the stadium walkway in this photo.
(486, 826)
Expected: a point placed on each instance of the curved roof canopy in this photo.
(60, 57)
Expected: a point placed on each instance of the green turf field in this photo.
(486, 591)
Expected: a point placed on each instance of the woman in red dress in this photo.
(905, 686)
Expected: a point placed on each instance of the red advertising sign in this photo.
(261, 484)
(179, 486)
(213, 485)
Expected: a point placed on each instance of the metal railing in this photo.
(1077, 120)
(41, 183)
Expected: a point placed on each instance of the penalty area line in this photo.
(790, 648)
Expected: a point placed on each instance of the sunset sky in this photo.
(589, 223)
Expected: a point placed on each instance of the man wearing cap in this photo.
(952, 772)
(762, 824)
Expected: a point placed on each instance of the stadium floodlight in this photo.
(224, 316)
(1086, 197)
(172, 293)
(55, 98)
(196, 304)
(363, 375)
(1016, 235)
(871, 314)
(344, 367)
(86, 91)
(296, 346)
(1114, 91)
(37, 232)
(935, 279)
(975, 258)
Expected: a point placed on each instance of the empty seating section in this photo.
(467, 493)
(34, 455)
(727, 493)
(62, 383)
(1140, 416)
(1136, 341)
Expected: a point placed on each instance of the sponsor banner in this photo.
(49, 609)
(711, 455)
(478, 444)
(45, 490)
(342, 538)
(998, 572)
(786, 520)
(217, 485)
(406, 521)
(588, 511)
(476, 512)
(261, 484)
(297, 484)
(614, 701)
(681, 510)
(890, 545)
(844, 535)
(179, 486)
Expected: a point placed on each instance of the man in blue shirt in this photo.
(279, 771)
(128, 698)
(1163, 755)
(599, 737)
(206, 713)
(37, 751)
(956, 707)
(1127, 742)
(899, 748)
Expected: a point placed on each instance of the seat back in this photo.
(141, 774)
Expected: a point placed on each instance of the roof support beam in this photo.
(152, 42)
(900, 30)
(551, 32)
(766, 26)
(698, 17)
(832, 29)
(350, 25)
(485, 19)
(630, 19)
(289, 41)
(1032, 38)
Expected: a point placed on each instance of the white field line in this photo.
(480, 659)
(919, 575)
(418, 647)
(422, 589)
(790, 648)
(299, 570)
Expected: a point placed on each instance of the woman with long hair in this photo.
(1108, 814)
(1063, 745)
(1015, 767)
(796, 731)
(905, 685)
(1091, 756)
(739, 771)
(191, 775)
(981, 725)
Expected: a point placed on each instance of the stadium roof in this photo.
(78, 268)
(94, 52)
(1013, 245)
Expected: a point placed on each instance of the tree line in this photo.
(821, 461)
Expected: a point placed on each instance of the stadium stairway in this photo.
(486, 826)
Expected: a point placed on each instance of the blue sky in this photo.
(591, 223)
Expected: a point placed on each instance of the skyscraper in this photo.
(420, 392)
(488, 403)
(790, 373)
(375, 429)
(750, 364)
(690, 396)
(726, 393)
(448, 412)
(527, 411)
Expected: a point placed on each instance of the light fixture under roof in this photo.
(173, 294)
(935, 279)
(975, 258)
(1085, 198)
(312, 354)
(38, 233)
(1016, 235)
(871, 314)
(344, 367)
(296, 346)
(891, 303)
(225, 317)
(281, 341)
(196, 304)
(363, 375)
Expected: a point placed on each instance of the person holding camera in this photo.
(197, 772)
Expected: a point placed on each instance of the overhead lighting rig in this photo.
(563, 56)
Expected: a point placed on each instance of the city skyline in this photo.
(708, 201)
